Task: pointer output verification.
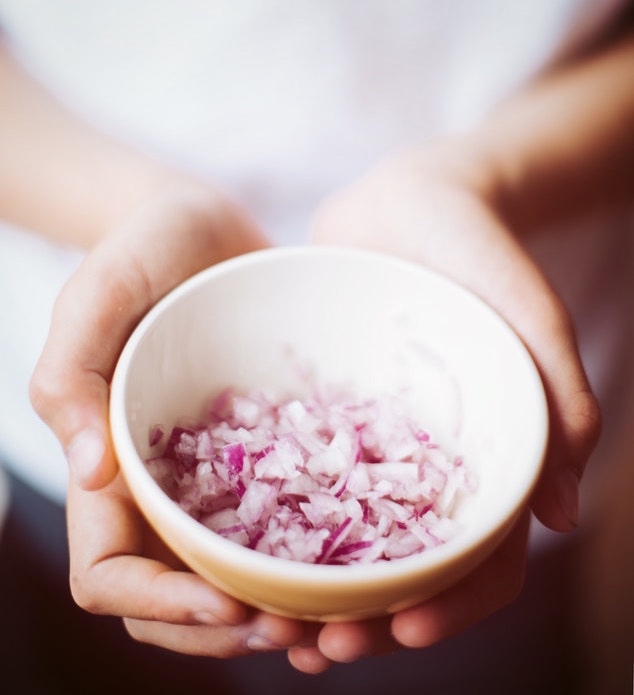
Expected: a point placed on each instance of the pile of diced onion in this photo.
(329, 479)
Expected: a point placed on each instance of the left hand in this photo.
(433, 208)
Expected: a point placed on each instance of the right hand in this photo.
(118, 565)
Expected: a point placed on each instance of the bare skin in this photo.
(460, 206)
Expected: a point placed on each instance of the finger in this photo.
(573, 436)
(99, 306)
(493, 585)
(542, 322)
(348, 641)
(264, 633)
(144, 589)
(110, 575)
(525, 298)
(308, 660)
(163, 606)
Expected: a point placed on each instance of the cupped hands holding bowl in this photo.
(122, 568)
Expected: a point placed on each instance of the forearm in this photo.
(58, 176)
(565, 146)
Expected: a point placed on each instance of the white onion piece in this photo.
(331, 479)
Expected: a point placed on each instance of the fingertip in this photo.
(308, 660)
(344, 642)
(410, 631)
(574, 436)
(277, 630)
(412, 628)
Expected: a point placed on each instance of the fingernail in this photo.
(258, 643)
(84, 454)
(568, 494)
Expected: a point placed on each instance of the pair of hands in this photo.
(421, 208)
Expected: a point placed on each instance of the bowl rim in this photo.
(137, 475)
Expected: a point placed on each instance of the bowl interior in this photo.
(357, 318)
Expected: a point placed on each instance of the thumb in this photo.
(69, 389)
(99, 306)
(77, 413)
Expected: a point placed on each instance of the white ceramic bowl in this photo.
(359, 318)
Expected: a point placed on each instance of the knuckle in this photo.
(45, 391)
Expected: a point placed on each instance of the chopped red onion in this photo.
(331, 479)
